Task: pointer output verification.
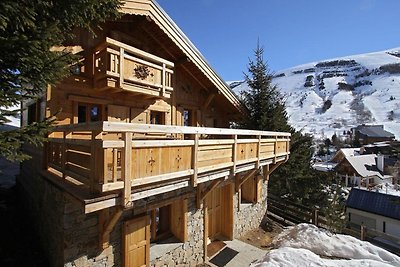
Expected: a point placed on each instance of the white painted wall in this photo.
(374, 221)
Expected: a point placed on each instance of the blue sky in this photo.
(292, 32)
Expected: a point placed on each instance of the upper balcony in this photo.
(120, 67)
(134, 161)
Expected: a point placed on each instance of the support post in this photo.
(258, 152)
(205, 231)
(96, 167)
(315, 217)
(107, 223)
(126, 168)
(234, 152)
(194, 160)
(363, 232)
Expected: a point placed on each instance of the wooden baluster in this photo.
(114, 165)
(121, 67)
(163, 81)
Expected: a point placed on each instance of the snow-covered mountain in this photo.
(331, 96)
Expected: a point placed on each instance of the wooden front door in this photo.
(214, 213)
(136, 236)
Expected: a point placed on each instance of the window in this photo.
(157, 117)
(33, 114)
(251, 190)
(187, 118)
(169, 222)
(89, 113)
(160, 223)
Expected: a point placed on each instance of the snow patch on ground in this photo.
(308, 245)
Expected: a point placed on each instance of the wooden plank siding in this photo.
(156, 163)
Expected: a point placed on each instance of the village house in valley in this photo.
(142, 168)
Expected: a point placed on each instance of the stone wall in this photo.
(43, 205)
(189, 253)
(250, 215)
(71, 238)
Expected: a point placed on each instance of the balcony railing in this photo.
(119, 66)
(145, 159)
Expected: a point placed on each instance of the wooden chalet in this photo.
(142, 168)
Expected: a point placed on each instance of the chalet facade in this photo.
(374, 210)
(142, 168)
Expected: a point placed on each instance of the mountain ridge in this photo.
(331, 96)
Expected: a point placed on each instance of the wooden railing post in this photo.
(258, 152)
(126, 161)
(315, 217)
(275, 148)
(363, 232)
(96, 162)
(64, 150)
(194, 160)
(234, 152)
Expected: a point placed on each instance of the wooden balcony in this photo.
(135, 161)
(120, 67)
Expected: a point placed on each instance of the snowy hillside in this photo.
(334, 95)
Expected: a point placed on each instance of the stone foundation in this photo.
(189, 253)
(250, 215)
(71, 238)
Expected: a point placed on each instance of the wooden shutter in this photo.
(179, 219)
(248, 190)
(227, 210)
(137, 242)
(213, 200)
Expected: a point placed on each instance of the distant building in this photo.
(368, 134)
(377, 211)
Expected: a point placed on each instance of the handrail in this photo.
(108, 156)
(106, 126)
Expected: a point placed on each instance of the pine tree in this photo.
(335, 213)
(267, 112)
(28, 31)
(265, 103)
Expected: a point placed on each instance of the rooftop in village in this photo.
(378, 203)
(373, 131)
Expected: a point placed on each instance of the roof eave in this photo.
(154, 11)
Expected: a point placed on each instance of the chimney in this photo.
(380, 162)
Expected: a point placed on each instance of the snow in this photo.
(13, 121)
(378, 103)
(308, 245)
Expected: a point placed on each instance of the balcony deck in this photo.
(121, 67)
(135, 161)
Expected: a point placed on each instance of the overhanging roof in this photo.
(373, 202)
(151, 9)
